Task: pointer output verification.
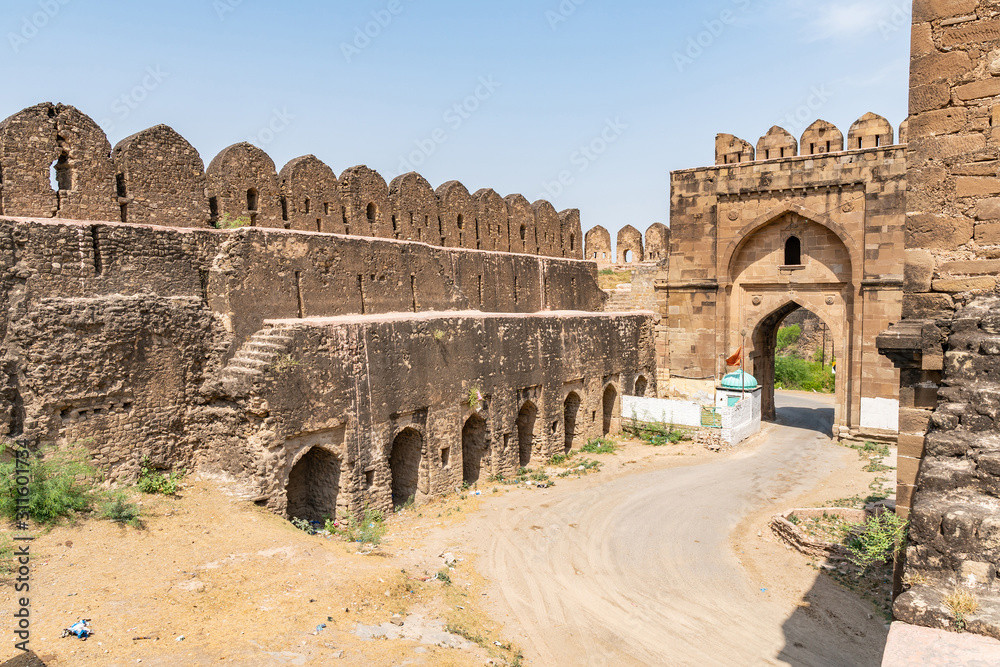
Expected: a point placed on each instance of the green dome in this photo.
(739, 380)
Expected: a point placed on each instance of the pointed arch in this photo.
(727, 259)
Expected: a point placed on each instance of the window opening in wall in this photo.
(572, 241)
(343, 215)
(878, 141)
(298, 294)
(252, 200)
(860, 143)
(361, 291)
(524, 232)
(395, 227)
(793, 251)
(828, 146)
(319, 225)
(369, 478)
(446, 457)
(628, 256)
(122, 196)
(370, 213)
(308, 205)
(461, 221)
(782, 152)
(767, 154)
(326, 208)
(480, 291)
(812, 149)
(284, 209)
(413, 291)
(98, 260)
(213, 209)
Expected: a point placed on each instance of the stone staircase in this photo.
(619, 299)
(257, 355)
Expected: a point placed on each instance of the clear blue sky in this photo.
(646, 84)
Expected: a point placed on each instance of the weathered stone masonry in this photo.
(324, 355)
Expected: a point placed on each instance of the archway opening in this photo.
(526, 433)
(794, 350)
(473, 448)
(404, 466)
(313, 486)
(640, 386)
(610, 405)
(370, 214)
(571, 409)
(628, 256)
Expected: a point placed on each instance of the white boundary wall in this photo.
(738, 422)
(679, 413)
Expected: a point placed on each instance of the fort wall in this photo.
(945, 345)
(55, 162)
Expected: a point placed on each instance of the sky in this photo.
(587, 103)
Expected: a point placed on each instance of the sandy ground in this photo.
(662, 558)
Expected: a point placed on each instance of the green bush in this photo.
(153, 481)
(229, 222)
(878, 540)
(62, 484)
(119, 509)
(6, 554)
(600, 446)
(795, 373)
(788, 336)
(369, 528)
(657, 435)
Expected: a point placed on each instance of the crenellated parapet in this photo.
(868, 132)
(55, 162)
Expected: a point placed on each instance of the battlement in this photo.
(869, 131)
(56, 162)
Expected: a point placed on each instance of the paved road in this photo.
(640, 570)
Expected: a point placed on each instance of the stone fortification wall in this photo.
(55, 162)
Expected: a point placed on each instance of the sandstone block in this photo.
(957, 285)
(931, 10)
(928, 306)
(918, 271)
(938, 67)
(975, 186)
(973, 267)
(929, 97)
(932, 123)
(937, 232)
(988, 234)
(978, 90)
(988, 209)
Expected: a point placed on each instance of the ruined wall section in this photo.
(310, 197)
(341, 362)
(945, 345)
(55, 162)
(170, 195)
(47, 143)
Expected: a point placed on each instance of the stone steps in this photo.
(258, 354)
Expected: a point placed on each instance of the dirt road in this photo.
(643, 569)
